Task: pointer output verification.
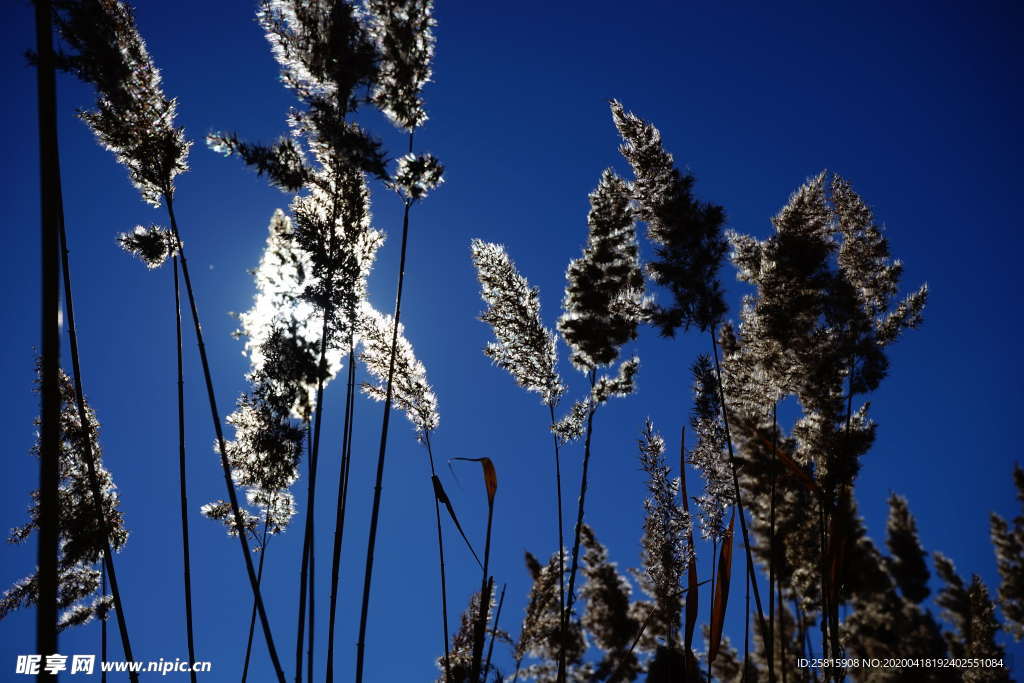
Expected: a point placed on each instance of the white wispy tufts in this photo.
(152, 245)
(403, 33)
(686, 233)
(302, 34)
(417, 175)
(525, 348)
(81, 535)
(623, 384)
(666, 554)
(220, 511)
(277, 508)
(333, 226)
(571, 427)
(410, 391)
(282, 277)
(709, 455)
(133, 118)
(604, 287)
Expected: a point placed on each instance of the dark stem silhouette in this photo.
(49, 428)
(221, 444)
(570, 593)
(339, 521)
(385, 422)
(182, 487)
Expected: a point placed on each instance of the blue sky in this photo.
(913, 102)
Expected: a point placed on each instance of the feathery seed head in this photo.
(524, 347)
(604, 287)
(152, 245)
(402, 31)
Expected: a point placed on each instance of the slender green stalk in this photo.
(252, 618)
(339, 521)
(49, 432)
(185, 555)
(221, 444)
(371, 543)
(83, 418)
(570, 594)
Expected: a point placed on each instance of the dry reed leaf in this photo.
(721, 598)
(793, 467)
(692, 602)
(442, 497)
(490, 476)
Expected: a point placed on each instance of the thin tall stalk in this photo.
(83, 418)
(746, 631)
(339, 521)
(440, 551)
(252, 618)
(711, 596)
(561, 539)
(49, 431)
(771, 549)
(185, 555)
(308, 542)
(736, 485)
(221, 444)
(486, 588)
(570, 594)
(371, 543)
(307, 538)
(103, 624)
(494, 629)
(782, 634)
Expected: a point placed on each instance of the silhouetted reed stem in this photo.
(570, 593)
(561, 526)
(494, 630)
(736, 485)
(771, 550)
(103, 624)
(252, 618)
(307, 535)
(339, 521)
(221, 446)
(440, 551)
(485, 599)
(49, 418)
(183, 490)
(83, 418)
(371, 543)
(746, 631)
